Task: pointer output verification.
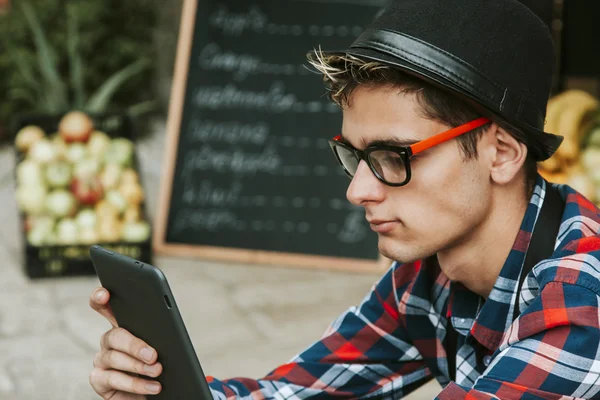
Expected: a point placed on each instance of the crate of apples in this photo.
(78, 185)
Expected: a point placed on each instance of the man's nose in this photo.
(365, 187)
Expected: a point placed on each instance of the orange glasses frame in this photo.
(447, 135)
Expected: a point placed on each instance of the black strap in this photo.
(543, 237)
(540, 247)
(451, 341)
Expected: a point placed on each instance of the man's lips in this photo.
(381, 226)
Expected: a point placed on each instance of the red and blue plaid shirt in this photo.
(392, 343)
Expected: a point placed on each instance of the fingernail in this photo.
(146, 353)
(99, 295)
(153, 387)
(149, 369)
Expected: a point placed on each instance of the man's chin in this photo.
(402, 253)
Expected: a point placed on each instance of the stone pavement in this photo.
(243, 319)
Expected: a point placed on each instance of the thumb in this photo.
(99, 301)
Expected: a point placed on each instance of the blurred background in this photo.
(105, 138)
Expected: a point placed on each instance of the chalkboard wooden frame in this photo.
(237, 255)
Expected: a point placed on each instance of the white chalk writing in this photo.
(255, 20)
(209, 220)
(235, 24)
(231, 160)
(229, 96)
(231, 132)
(241, 65)
(204, 193)
(274, 100)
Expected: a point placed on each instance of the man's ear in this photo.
(508, 155)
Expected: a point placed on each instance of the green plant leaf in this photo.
(45, 55)
(99, 100)
(23, 66)
(48, 104)
(22, 94)
(75, 60)
(142, 108)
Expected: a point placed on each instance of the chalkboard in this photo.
(249, 175)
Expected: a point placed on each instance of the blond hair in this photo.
(342, 73)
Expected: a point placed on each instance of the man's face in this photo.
(447, 197)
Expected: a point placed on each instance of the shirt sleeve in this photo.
(365, 352)
(552, 351)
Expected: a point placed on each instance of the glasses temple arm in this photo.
(444, 136)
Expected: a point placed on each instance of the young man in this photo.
(443, 114)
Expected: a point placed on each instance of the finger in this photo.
(99, 302)
(113, 359)
(122, 340)
(106, 381)
(126, 396)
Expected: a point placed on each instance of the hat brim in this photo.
(540, 143)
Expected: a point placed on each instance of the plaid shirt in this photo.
(392, 343)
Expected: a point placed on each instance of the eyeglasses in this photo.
(391, 164)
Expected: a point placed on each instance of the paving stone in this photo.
(7, 163)
(44, 364)
(10, 230)
(61, 379)
(428, 391)
(71, 290)
(298, 309)
(250, 361)
(242, 274)
(150, 152)
(213, 321)
(178, 268)
(11, 273)
(27, 312)
(83, 325)
(313, 292)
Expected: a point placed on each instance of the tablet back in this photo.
(144, 305)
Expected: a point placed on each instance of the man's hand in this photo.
(121, 356)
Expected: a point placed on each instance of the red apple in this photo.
(87, 190)
(76, 126)
(29, 223)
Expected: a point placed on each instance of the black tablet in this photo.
(143, 304)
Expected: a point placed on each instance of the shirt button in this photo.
(487, 360)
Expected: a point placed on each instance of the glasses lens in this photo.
(347, 158)
(389, 165)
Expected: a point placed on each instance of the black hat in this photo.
(496, 53)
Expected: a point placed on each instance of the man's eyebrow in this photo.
(391, 142)
(385, 141)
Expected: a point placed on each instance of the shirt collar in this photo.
(487, 320)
